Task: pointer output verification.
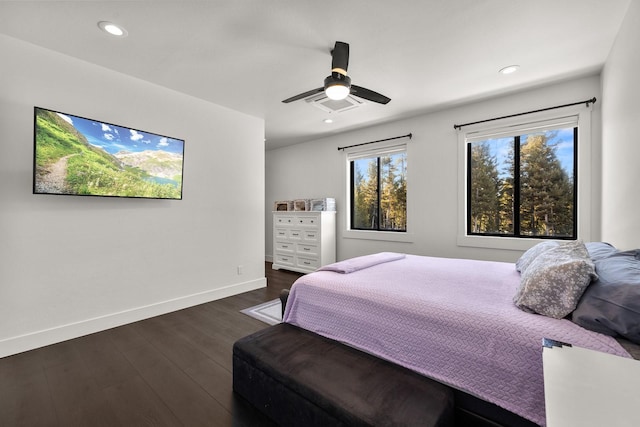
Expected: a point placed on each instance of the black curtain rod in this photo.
(409, 135)
(588, 101)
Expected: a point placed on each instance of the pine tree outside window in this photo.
(523, 184)
(378, 190)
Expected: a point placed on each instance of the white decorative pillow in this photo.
(554, 281)
(532, 253)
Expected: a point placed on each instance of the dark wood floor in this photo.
(171, 370)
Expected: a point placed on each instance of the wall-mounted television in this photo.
(83, 157)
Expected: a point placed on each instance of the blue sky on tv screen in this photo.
(114, 138)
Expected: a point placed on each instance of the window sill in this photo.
(489, 242)
(386, 236)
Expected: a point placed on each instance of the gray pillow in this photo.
(527, 258)
(611, 304)
(600, 250)
(554, 281)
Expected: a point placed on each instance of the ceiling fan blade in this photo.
(369, 95)
(340, 56)
(303, 95)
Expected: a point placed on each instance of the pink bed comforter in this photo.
(449, 319)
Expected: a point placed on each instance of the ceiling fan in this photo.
(338, 85)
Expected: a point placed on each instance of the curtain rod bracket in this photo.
(586, 102)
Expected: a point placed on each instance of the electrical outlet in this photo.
(240, 269)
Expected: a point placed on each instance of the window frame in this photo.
(517, 190)
(578, 116)
(380, 149)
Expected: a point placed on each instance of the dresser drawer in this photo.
(281, 233)
(295, 234)
(307, 221)
(309, 250)
(284, 259)
(312, 263)
(285, 247)
(310, 235)
(284, 220)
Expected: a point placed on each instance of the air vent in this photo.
(332, 106)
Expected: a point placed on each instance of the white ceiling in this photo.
(249, 55)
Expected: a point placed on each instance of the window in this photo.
(378, 190)
(523, 185)
(520, 182)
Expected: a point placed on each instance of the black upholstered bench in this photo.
(299, 378)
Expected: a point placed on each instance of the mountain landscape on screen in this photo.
(79, 156)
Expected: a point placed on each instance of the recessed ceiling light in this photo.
(510, 69)
(328, 120)
(113, 29)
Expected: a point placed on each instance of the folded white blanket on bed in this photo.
(362, 262)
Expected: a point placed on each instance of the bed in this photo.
(453, 320)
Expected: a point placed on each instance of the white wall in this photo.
(620, 142)
(317, 169)
(74, 265)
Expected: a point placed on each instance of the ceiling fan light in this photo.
(337, 91)
(337, 86)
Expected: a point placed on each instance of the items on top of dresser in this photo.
(301, 205)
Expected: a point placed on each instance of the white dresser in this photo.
(303, 241)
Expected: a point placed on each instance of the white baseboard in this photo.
(268, 258)
(19, 344)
